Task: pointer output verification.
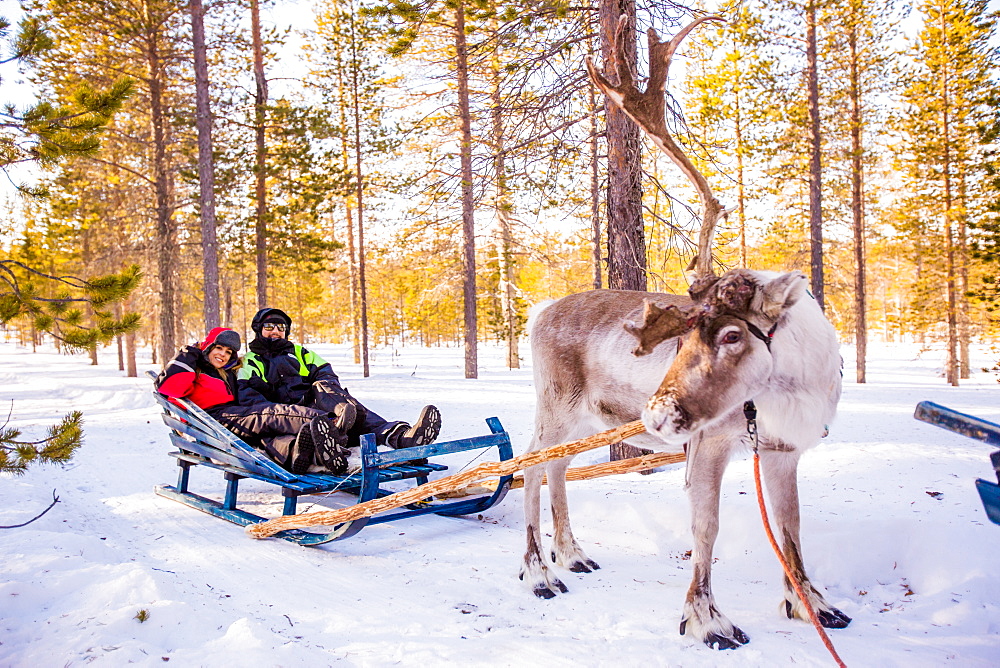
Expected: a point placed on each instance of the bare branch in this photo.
(55, 500)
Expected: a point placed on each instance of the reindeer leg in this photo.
(566, 552)
(534, 571)
(706, 464)
(779, 466)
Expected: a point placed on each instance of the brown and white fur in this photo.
(590, 375)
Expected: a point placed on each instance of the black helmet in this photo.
(270, 315)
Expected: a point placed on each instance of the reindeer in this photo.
(686, 366)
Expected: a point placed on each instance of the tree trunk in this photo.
(857, 209)
(595, 189)
(505, 267)
(344, 91)
(118, 339)
(815, 163)
(741, 201)
(468, 205)
(166, 251)
(206, 170)
(352, 270)
(626, 241)
(360, 197)
(964, 320)
(227, 306)
(951, 361)
(260, 169)
(508, 291)
(130, 366)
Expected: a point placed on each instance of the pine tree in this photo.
(448, 19)
(985, 241)
(98, 40)
(730, 112)
(206, 167)
(57, 447)
(858, 44)
(52, 129)
(945, 97)
(346, 72)
(57, 305)
(47, 133)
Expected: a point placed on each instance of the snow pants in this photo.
(271, 427)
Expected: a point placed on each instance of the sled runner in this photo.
(202, 441)
(973, 427)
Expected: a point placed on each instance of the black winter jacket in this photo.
(282, 372)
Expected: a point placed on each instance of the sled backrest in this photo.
(195, 431)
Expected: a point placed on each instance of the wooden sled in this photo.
(202, 441)
(973, 427)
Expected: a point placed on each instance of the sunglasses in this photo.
(269, 326)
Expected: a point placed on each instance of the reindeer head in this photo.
(726, 358)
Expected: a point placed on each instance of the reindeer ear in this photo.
(658, 325)
(782, 293)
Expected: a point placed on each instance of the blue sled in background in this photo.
(973, 427)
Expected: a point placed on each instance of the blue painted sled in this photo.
(978, 429)
(202, 441)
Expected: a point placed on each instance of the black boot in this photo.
(303, 452)
(331, 452)
(425, 430)
(344, 417)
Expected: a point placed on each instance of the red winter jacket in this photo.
(189, 375)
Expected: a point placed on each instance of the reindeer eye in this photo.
(732, 337)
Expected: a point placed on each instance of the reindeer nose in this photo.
(682, 419)
(665, 417)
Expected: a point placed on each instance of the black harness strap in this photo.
(756, 331)
(749, 409)
(750, 413)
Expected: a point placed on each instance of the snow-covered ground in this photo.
(917, 572)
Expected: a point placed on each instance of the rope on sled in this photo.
(446, 484)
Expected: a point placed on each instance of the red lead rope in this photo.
(749, 410)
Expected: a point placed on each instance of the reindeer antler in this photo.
(648, 110)
(659, 323)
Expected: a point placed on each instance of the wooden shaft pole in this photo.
(617, 467)
(452, 482)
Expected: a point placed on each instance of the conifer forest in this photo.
(423, 172)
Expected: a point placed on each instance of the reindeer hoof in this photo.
(833, 619)
(541, 591)
(547, 591)
(735, 641)
(587, 566)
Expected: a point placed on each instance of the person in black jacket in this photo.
(280, 371)
(205, 374)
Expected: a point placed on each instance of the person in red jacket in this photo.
(205, 374)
